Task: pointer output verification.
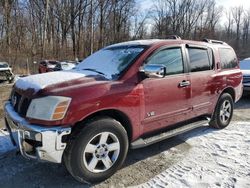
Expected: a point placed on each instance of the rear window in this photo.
(199, 59)
(228, 58)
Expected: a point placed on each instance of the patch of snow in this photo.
(136, 42)
(40, 81)
(5, 142)
(217, 158)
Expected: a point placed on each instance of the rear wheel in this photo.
(98, 151)
(223, 112)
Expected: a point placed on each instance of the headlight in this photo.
(49, 108)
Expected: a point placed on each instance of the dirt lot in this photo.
(141, 165)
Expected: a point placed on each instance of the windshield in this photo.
(110, 62)
(245, 65)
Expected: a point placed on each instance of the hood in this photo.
(52, 79)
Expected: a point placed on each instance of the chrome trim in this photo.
(51, 148)
(154, 70)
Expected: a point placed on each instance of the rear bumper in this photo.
(33, 141)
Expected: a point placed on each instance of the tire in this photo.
(97, 152)
(223, 112)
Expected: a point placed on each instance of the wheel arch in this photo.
(229, 90)
(112, 113)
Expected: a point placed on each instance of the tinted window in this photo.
(228, 58)
(199, 59)
(171, 58)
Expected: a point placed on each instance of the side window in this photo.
(228, 58)
(171, 58)
(199, 59)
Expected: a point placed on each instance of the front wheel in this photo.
(98, 151)
(223, 112)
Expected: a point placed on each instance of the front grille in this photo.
(20, 103)
(246, 79)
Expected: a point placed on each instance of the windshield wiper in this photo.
(93, 70)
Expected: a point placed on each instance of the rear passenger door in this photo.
(201, 68)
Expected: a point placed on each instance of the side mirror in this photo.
(153, 71)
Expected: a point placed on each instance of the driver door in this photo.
(166, 99)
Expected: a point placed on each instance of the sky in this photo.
(231, 3)
(146, 4)
(227, 4)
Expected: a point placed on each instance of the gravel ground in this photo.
(140, 169)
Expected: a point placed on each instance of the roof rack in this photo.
(211, 41)
(175, 37)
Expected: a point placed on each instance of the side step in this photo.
(142, 142)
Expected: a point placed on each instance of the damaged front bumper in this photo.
(33, 141)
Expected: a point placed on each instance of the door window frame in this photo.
(165, 47)
(194, 46)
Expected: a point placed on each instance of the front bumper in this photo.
(33, 141)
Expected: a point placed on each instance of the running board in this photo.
(142, 142)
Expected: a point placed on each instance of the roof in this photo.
(137, 42)
(206, 42)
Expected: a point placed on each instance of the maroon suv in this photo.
(131, 94)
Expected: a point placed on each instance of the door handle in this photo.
(184, 83)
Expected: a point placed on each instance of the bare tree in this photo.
(237, 13)
(246, 25)
(31, 30)
(7, 4)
